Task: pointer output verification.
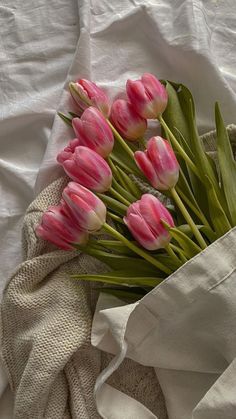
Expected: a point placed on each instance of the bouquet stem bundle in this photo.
(109, 161)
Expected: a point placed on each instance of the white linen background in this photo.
(44, 44)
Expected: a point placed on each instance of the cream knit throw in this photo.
(45, 330)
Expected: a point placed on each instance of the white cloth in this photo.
(184, 328)
(189, 41)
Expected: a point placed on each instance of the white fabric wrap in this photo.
(184, 328)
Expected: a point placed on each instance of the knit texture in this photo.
(46, 324)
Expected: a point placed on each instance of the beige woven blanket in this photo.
(45, 330)
(46, 323)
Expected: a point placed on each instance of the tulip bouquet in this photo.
(143, 207)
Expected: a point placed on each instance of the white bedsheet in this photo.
(44, 44)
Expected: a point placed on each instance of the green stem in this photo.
(178, 147)
(188, 218)
(119, 197)
(136, 249)
(197, 212)
(172, 254)
(112, 166)
(121, 140)
(179, 251)
(115, 217)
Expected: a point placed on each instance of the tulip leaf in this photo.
(74, 115)
(209, 233)
(123, 159)
(65, 118)
(180, 120)
(218, 217)
(124, 192)
(128, 183)
(117, 262)
(227, 164)
(116, 246)
(121, 278)
(113, 204)
(190, 248)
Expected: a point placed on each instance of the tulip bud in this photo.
(148, 96)
(143, 219)
(94, 132)
(87, 93)
(85, 207)
(127, 121)
(159, 164)
(86, 167)
(59, 228)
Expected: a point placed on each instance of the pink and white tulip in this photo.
(148, 96)
(143, 219)
(85, 207)
(127, 121)
(86, 93)
(86, 167)
(93, 131)
(159, 164)
(59, 228)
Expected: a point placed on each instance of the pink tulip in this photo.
(59, 228)
(86, 167)
(127, 121)
(143, 219)
(159, 164)
(87, 93)
(148, 96)
(85, 207)
(93, 131)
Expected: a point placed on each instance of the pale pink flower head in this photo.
(85, 207)
(86, 167)
(159, 164)
(143, 220)
(127, 121)
(86, 93)
(93, 131)
(60, 228)
(148, 96)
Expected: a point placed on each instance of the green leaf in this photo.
(190, 248)
(65, 118)
(124, 192)
(113, 204)
(128, 183)
(180, 120)
(209, 233)
(116, 246)
(74, 115)
(227, 164)
(218, 217)
(118, 262)
(123, 159)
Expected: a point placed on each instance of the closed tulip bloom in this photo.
(93, 131)
(86, 93)
(86, 167)
(127, 121)
(59, 228)
(148, 96)
(159, 164)
(143, 219)
(85, 207)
